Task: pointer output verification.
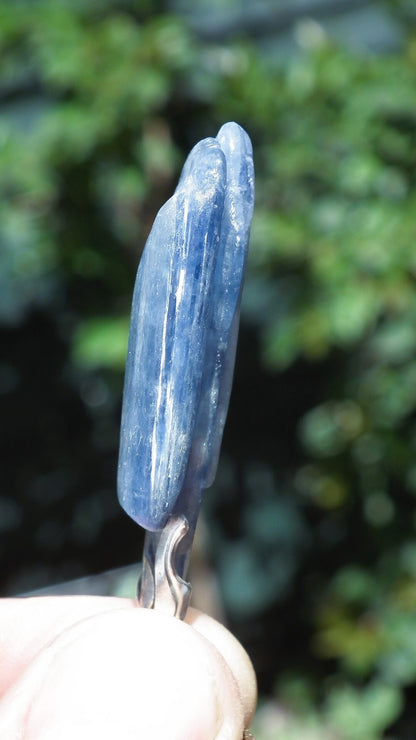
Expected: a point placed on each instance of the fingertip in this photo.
(156, 677)
(143, 675)
(234, 656)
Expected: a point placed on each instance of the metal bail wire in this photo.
(160, 587)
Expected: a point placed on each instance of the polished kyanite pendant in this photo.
(180, 361)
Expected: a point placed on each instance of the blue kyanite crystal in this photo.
(183, 333)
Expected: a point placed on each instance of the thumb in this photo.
(128, 674)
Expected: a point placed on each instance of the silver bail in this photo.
(160, 587)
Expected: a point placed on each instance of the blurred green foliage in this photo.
(316, 544)
(92, 146)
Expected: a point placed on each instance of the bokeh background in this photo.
(312, 520)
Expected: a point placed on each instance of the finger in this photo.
(235, 656)
(28, 624)
(157, 677)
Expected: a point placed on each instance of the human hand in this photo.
(102, 668)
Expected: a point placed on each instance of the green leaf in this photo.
(101, 342)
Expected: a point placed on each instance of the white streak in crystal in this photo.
(160, 387)
(181, 286)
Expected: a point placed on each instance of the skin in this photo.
(102, 668)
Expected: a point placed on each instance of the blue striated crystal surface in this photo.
(183, 333)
